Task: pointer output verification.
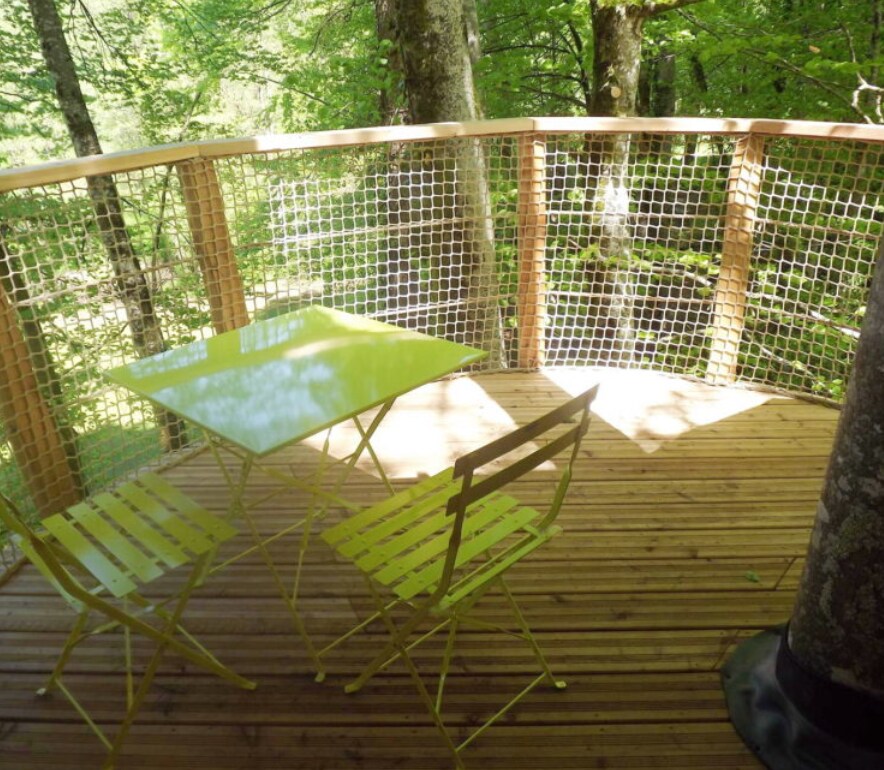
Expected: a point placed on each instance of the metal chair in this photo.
(99, 554)
(441, 545)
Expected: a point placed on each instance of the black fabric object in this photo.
(778, 731)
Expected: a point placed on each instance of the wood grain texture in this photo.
(668, 560)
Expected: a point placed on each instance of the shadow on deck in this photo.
(686, 528)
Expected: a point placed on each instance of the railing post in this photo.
(743, 188)
(38, 444)
(211, 242)
(531, 300)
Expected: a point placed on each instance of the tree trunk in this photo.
(130, 284)
(385, 27)
(663, 95)
(617, 36)
(837, 627)
(439, 84)
(436, 60)
(471, 30)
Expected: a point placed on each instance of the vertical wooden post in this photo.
(744, 184)
(531, 301)
(36, 440)
(211, 241)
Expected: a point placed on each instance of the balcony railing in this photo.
(728, 250)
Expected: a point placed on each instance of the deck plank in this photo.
(669, 558)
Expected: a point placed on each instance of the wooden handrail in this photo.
(66, 170)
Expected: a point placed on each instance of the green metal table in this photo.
(279, 381)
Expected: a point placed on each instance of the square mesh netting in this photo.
(711, 256)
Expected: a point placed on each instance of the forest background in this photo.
(157, 71)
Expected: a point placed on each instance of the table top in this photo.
(278, 381)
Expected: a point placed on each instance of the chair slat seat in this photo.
(140, 531)
(89, 555)
(487, 572)
(144, 567)
(506, 522)
(191, 538)
(109, 553)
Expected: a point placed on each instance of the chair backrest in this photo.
(36, 551)
(466, 465)
(574, 412)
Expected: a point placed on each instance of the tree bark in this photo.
(436, 60)
(617, 37)
(130, 283)
(439, 84)
(385, 27)
(837, 626)
(663, 95)
(471, 30)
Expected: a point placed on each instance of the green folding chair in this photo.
(438, 547)
(99, 554)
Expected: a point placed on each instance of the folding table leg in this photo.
(365, 442)
(277, 578)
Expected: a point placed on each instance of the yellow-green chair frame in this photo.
(441, 545)
(99, 554)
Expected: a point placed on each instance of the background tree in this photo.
(131, 283)
(438, 76)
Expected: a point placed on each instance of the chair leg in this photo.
(72, 641)
(391, 650)
(446, 661)
(173, 620)
(559, 684)
(398, 638)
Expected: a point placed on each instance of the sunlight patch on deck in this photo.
(652, 409)
(427, 429)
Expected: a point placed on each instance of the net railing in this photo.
(728, 256)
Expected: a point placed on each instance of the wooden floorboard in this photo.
(669, 559)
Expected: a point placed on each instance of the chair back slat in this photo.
(479, 489)
(466, 465)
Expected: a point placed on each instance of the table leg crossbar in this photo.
(320, 501)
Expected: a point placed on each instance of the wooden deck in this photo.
(669, 558)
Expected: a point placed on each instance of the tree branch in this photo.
(655, 9)
(773, 59)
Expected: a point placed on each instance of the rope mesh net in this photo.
(729, 258)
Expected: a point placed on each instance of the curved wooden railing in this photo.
(724, 249)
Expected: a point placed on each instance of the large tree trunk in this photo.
(131, 285)
(617, 36)
(837, 628)
(439, 82)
